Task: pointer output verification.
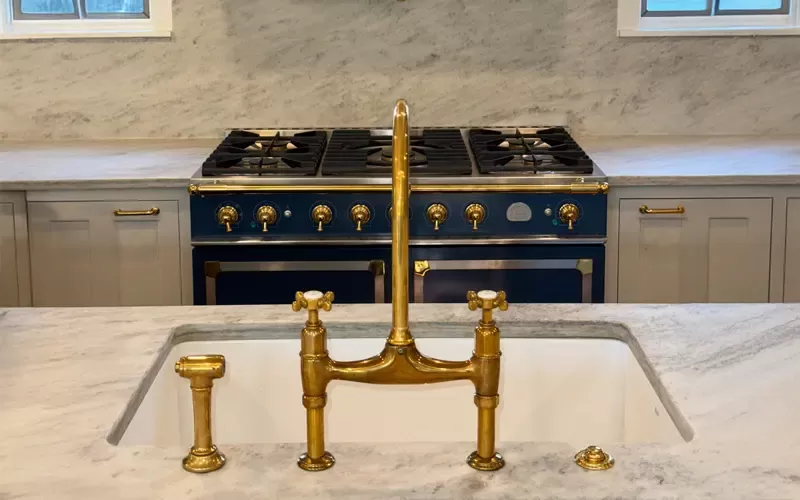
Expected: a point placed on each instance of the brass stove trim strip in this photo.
(581, 188)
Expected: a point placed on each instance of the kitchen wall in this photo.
(344, 62)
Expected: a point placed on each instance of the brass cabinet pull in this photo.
(644, 209)
(132, 213)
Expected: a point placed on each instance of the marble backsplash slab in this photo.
(343, 63)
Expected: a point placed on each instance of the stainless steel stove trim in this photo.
(539, 240)
(212, 269)
(583, 266)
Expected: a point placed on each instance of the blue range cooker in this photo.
(277, 211)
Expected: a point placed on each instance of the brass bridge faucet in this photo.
(400, 362)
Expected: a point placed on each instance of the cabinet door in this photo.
(791, 283)
(82, 254)
(9, 294)
(717, 250)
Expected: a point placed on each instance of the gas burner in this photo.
(528, 151)
(369, 153)
(255, 153)
(382, 157)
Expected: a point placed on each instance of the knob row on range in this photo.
(360, 214)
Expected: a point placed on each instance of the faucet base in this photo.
(477, 462)
(324, 462)
(204, 461)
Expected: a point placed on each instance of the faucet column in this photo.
(486, 359)
(400, 334)
(313, 362)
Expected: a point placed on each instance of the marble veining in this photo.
(66, 375)
(472, 62)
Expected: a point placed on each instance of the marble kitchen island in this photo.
(66, 376)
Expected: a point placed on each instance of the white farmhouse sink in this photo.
(573, 390)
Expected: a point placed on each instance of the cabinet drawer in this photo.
(791, 281)
(9, 295)
(98, 253)
(694, 250)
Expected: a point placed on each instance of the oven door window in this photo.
(550, 278)
(230, 281)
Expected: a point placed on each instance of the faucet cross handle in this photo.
(487, 300)
(312, 300)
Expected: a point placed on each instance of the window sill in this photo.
(768, 31)
(87, 34)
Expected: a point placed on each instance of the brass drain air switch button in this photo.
(594, 458)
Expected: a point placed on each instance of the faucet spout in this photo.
(400, 335)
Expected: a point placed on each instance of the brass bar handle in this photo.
(576, 188)
(201, 371)
(644, 209)
(134, 213)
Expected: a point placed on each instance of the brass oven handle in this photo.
(132, 213)
(644, 209)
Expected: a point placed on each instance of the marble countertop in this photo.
(695, 161)
(627, 160)
(101, 164)
(66, 376)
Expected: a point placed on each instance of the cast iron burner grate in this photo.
(550, 150)
(363, 153)
(244, 152)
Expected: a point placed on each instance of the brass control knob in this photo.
(437, 214)
(569, 214)
(227, 215)
(360, 214)
(266, 216)
(475, 213)
(321, 215)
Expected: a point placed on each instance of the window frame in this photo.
(156, 23)
(634, 21)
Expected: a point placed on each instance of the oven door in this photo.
(527, 273)
(271, 275)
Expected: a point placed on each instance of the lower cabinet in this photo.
(100, 253)
(696, 250)
(14, 266)
(791, 280)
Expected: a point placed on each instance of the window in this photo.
(85, 18)
(707, 17)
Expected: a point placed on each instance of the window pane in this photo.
(47, 7)
(750, 4)
(115, 6)
(676, 5)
